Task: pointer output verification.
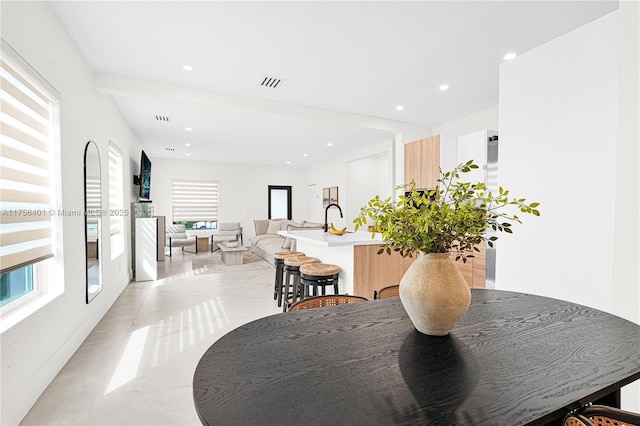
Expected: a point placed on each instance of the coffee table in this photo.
(232, 255)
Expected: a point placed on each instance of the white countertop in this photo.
(326, 239)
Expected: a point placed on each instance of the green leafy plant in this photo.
(454, 217)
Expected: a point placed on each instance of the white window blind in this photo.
(116, 201)
(194, 200)
(93, 200)
(28, 117)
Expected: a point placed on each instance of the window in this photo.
(199, 225)
(16, 284)
(28, 129)
(116, 201)
(195, 203)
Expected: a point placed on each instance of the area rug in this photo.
(213, 264)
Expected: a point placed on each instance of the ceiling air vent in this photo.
(270, 82)
(170, 149)
(162, 118)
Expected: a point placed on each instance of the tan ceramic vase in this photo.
(434, 293)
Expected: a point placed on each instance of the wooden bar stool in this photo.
(278, 260)
(292, 269)
(319, 275)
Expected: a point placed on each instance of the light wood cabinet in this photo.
(372, 271)
(422, 162)
(474, 270)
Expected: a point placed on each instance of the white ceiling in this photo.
(344, 67)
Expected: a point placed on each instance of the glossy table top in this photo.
(512, 359)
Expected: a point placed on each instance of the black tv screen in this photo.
(145, 177)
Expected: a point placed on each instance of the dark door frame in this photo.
(281, 187)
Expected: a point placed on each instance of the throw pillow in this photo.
(306, 224)
(274, 226)
(289, 226)
(286, 223)
(261, 226)
(286, 244)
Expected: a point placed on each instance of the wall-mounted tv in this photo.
(145, 177)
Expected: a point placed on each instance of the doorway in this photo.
(279, 202)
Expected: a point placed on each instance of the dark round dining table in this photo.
(512, 359)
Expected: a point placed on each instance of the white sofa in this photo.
(267, 241)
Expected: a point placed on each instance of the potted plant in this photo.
(454, 217)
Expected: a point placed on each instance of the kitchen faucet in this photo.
(326, 225)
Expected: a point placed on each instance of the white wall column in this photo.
(557, 146)
(625, 286)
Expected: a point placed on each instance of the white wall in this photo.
(35, 349)
(569, 139)
(481, 120)
(486, 119)
(557, 146)
(334, 173)
(366, 178)
(625, 289)
(243, 188)
(626, 268)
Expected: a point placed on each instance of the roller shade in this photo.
(194, 200)
(94, 202)
(27, 132)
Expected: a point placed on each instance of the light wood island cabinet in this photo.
(373, 271)
(362, 270)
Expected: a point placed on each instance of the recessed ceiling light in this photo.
(288, 162)
(305, 155)
(187, 67)
(187, 144)
(188, 129)
(187, 154)
(329, 144)
(444, 87)
(399, 107)
(510, 56)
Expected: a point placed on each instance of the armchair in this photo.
(227, 231)
(177, 237)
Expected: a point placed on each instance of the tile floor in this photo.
(137, 365)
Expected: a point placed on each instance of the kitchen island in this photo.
(362, 270)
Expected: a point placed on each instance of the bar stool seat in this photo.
(292, 269)
(319, 275)
(284, 254)
(278, 260)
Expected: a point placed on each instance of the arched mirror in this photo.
(92, 219)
